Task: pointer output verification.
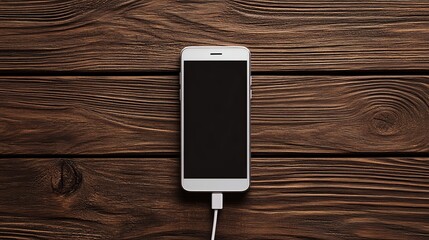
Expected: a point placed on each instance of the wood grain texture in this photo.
(92, 115)
(135, 35)
(341, 114)
(103, 115)
(317, 198)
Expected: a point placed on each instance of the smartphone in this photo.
(215, 92)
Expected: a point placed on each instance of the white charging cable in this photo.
(217, 204)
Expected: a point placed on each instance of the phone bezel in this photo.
(202, 53)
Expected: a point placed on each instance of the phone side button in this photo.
(251, 93)
(180, 94)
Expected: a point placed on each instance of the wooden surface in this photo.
(89, 115)
(290, 198)
(137, 35)
(311, 114)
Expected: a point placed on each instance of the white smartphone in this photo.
(215, 97)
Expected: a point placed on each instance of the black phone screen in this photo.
(215, 119)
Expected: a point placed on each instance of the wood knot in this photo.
(66, 178)
(385, 123)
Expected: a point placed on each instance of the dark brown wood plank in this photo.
(91, 115)
(341, 114)
(304, 198)
(104, 115)
(139, 35)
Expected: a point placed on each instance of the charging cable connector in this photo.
(217, 204)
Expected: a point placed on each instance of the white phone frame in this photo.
(202, 53)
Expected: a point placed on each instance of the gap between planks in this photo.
(257, 155)
(399, 72)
